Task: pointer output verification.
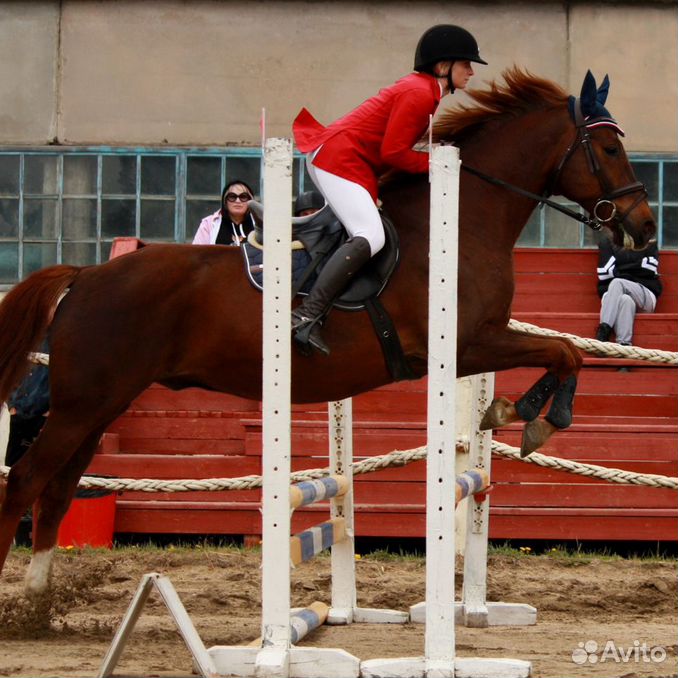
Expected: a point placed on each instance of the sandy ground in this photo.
(630, 603)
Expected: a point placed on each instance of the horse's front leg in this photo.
(508, 349)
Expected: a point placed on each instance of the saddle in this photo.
(314, 240)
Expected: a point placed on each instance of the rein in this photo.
(583, 139)
(595, 224)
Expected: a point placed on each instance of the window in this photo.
(549, 228)
(66, 205)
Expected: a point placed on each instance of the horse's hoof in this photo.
(498, 414)
(535, 434)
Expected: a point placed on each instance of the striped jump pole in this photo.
(303, 621)
(311, 542)
(307, 620)
(470, 483)
(311, 491)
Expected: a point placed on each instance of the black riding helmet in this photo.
(446, 43)
(309, 200)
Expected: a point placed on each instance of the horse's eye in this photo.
(612, 151)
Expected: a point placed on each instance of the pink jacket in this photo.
(208, 230)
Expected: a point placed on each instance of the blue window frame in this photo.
(66, 205)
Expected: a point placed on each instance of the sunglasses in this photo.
(243, 197)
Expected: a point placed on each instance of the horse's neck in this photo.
(523, 152)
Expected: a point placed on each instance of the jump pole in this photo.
(439, 659)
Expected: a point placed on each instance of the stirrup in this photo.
(306, 334)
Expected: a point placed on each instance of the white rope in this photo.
(611, 475)
(370, 465)
(601, 348)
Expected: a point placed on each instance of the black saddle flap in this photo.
(373, 277)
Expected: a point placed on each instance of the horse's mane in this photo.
(520, 93)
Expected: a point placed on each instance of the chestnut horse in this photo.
(186, 316)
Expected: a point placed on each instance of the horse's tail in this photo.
(25, 314)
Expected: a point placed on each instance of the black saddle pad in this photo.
(370, 282)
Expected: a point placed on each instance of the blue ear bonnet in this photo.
(591, 105)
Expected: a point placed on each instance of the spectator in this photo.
(628, 281)
(307, 203)
(345, 159)
(28, 407)
(232, 223)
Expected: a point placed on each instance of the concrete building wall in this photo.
(199, 73)
(29, 39)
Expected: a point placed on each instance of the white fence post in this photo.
(273, 659)
(475, 610)
(340, 430)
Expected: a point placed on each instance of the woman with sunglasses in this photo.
(232, 223)
(346, 158)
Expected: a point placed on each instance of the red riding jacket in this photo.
(375, 136)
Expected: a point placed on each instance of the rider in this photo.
(346, 158)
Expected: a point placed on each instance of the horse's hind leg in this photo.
(57, 442)
(52, 506)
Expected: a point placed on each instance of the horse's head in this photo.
(595, 171)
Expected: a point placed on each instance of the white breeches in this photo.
(352, 204)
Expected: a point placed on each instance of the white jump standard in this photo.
(474, 610)
(439, 660)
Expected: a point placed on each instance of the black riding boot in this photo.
(333, 279)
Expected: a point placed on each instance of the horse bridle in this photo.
(606, 201)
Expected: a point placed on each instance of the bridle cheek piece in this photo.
(606, 201)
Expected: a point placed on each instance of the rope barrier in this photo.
(372, 464)
(601, 348)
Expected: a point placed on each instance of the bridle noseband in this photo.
(605, 203)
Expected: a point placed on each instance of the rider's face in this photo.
(462, 71)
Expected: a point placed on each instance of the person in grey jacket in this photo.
(628, 282)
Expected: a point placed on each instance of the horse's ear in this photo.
(601, 94)
(588, 94)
